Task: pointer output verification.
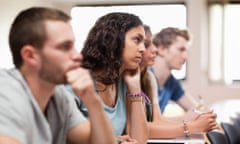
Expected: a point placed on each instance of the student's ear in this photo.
(30, 55)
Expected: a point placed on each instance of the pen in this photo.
(201, 101)
(197, 111)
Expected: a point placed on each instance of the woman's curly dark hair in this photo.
(103, 48)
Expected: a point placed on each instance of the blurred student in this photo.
(35, 108)
(112, 52)
(159, 126)
(172, 45)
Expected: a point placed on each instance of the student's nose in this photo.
(185, 55)
(154, 49)
(142, 48)
(77, 56)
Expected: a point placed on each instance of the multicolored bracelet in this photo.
(185, 130)
(135, 96)
(138, 97)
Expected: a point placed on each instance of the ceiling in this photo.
(98, 2)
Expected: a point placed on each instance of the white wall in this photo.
(197, 82)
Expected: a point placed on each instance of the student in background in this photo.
(35, 107)
(112, 52)
(159, 126)
(172, 45)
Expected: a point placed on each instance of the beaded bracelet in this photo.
(138, 97)
(135, 97)
(185, 130)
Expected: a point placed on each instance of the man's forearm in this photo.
(101, 129)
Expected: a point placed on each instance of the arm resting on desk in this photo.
(8, 140)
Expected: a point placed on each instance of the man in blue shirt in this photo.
(171, 46)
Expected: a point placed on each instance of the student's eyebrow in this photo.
(66, 42)
(141, 36)
(183, 48)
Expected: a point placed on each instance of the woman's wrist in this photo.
(139, 97)
(135, 97)
(134, 89)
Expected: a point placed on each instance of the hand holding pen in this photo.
(201, 109)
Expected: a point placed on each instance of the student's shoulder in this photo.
(172, 79)
(8, 76)
(5, 74)
(11, 83)
(14, 96)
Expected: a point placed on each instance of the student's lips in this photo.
(138, 59)
(74, 67)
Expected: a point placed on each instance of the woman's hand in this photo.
(205, 122)
(126, 139)
(132, 79)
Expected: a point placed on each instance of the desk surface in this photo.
(194, 139)
(226, 109)
(175, 141)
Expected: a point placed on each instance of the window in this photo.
(224, 54)
(157, 16)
